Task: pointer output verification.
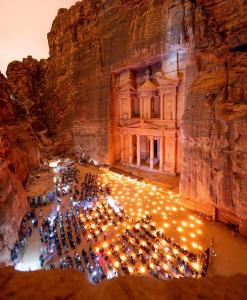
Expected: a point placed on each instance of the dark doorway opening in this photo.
(155, 149)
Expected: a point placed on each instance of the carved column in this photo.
(138, 140)
(151, 152)
(130, 149)
(175, 106)
(140, 103)
(173, 142)
(161, 106)
(130, 107)
(161, 153)
(122, 147)
(149, 108)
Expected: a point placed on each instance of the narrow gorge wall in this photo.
(19, 153)
(214, 165)
(27, 81)
(197, 40)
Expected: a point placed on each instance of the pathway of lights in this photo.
(138, 229)
(134, 245)
(126, 240)
(139, 248)
(140, 198)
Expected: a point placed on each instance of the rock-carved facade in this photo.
(148, 120)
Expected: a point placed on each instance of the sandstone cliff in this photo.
(214, 166)
(27, 82)
(19, 154)
(202, 41)
(87, 43)
(61, 284)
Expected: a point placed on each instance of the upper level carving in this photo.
(154, 99)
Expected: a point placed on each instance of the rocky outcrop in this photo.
(214, 166)
(27, 82)
(19, 153)
(65, 284)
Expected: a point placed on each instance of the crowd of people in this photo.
(87, 236)
(64, 231)
(42, 200)
(28, 222)
(145, 249)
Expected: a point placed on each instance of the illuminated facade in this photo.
(148, 121)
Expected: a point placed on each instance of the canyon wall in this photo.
(88, 43)
(214, 164)
(27, 81)
(19, 154)
(200, 41)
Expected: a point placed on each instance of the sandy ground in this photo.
(138, 198)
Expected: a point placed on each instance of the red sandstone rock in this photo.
(87, 43)
(65, 284)
(26, 80)
(19, 154)
(6, 110)
(214, 167)
(92, 41)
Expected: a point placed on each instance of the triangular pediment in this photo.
(144, 125)
(148, 85)
(164, 81)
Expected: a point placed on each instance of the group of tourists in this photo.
(28, 222)
(63, 232)
(98, 238)
(141, 248)
(146, 249)
(42, 200)
(88, 191)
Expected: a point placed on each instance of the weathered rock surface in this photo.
(204, 40)
(27, 82)
(214, 167)
(88, 42)
(19, 153)
(61, 284)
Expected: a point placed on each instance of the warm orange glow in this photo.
(28, 23)
(178, 226)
